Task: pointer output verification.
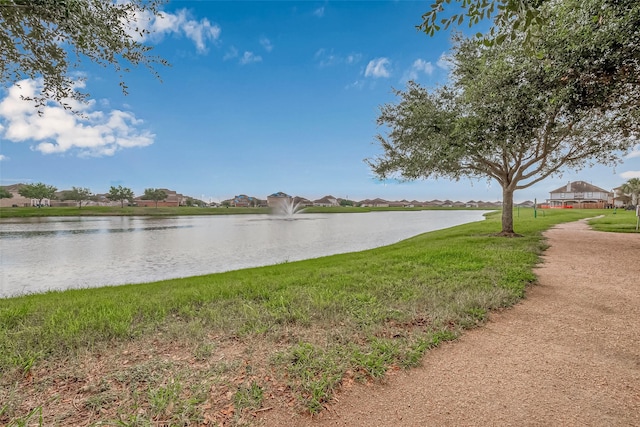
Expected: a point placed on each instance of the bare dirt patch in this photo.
(159, 381)
(569, 354)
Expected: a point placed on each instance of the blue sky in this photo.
(261, 97)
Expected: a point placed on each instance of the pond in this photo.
(54, 253)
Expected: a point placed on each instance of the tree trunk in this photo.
(507, 213)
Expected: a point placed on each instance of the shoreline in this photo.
(91, 211)
(83, 252)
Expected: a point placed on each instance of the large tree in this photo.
(594, 45)
(631, 188)
(120, 194)
(38, 191)
(529, 19)
(50, 38)
(154, 194)
(506, 117)
(78, 194)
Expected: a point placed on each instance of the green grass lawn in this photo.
(362, 312)
(621, 222)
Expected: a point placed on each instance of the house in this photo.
(400, 204)
(277, 199)
(61, 202)
(620, 199)
(326, 201)
(302, 201)
(244, 201)
(173, 199)
(375, 203)
(580, 195)
(102, 199)
(17, 199)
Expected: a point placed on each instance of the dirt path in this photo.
(568, 355)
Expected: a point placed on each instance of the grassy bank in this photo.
(222, 346)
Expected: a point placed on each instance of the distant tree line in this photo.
(82, 195)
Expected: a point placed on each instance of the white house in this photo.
(580, 195)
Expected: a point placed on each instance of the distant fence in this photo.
(578, 205)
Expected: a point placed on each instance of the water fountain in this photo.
(287, 208)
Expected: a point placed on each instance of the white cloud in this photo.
(250, 57)
(319, 12)
(419, 66)
(422, 66)
(358, 84)
(327, 58)
(231, 53)
(378, 68)
(353, 58)
(630, 174)
(445, 61)
(57, 130)
(3, 158)
(199, 32)
(266, 44)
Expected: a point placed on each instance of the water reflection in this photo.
(53, 233)
(62, 253)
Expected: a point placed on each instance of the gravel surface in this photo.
(568, 355)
